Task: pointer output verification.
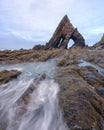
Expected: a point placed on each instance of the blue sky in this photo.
(24, 23)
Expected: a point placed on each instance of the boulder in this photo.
(6, 75)
(42, 47)
(38, 47)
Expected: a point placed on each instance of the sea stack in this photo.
(63, 33)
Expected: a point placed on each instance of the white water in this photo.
(29, 105)
(85, 63)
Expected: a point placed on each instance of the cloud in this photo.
(96, 31)
(37, 19)
(32, 17)
(33, 14)
(28, 35)
(22, 35)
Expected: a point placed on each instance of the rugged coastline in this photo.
(79, 73)
(82, 87)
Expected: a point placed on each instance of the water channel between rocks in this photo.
(29, 104)
(84, 63)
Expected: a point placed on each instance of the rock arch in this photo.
(63, 33)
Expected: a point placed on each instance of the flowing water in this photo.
(84, 63)
(27, 103)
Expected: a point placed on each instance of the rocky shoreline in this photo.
(18, 56)
(79, 74)
(82, 87)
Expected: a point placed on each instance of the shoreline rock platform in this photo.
(81, 95)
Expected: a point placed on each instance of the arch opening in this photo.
(70, 43)
(61, 41)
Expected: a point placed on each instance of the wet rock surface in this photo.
(82, 89)
(81, 95)
(81, 103)
(6, 75)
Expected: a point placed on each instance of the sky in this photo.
(25, 23)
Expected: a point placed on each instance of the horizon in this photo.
(24, 24)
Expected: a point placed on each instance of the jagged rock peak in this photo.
(63, 33)
(65, 19)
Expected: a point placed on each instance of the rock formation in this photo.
(81, 89)
(6, 75)
(31, 55)
(81, 96)
(64, 32)
(100, 43)
(102, 40)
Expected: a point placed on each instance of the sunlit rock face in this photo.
(63, 33)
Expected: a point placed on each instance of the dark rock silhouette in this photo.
(64, 32)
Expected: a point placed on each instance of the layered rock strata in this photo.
(63, 33)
